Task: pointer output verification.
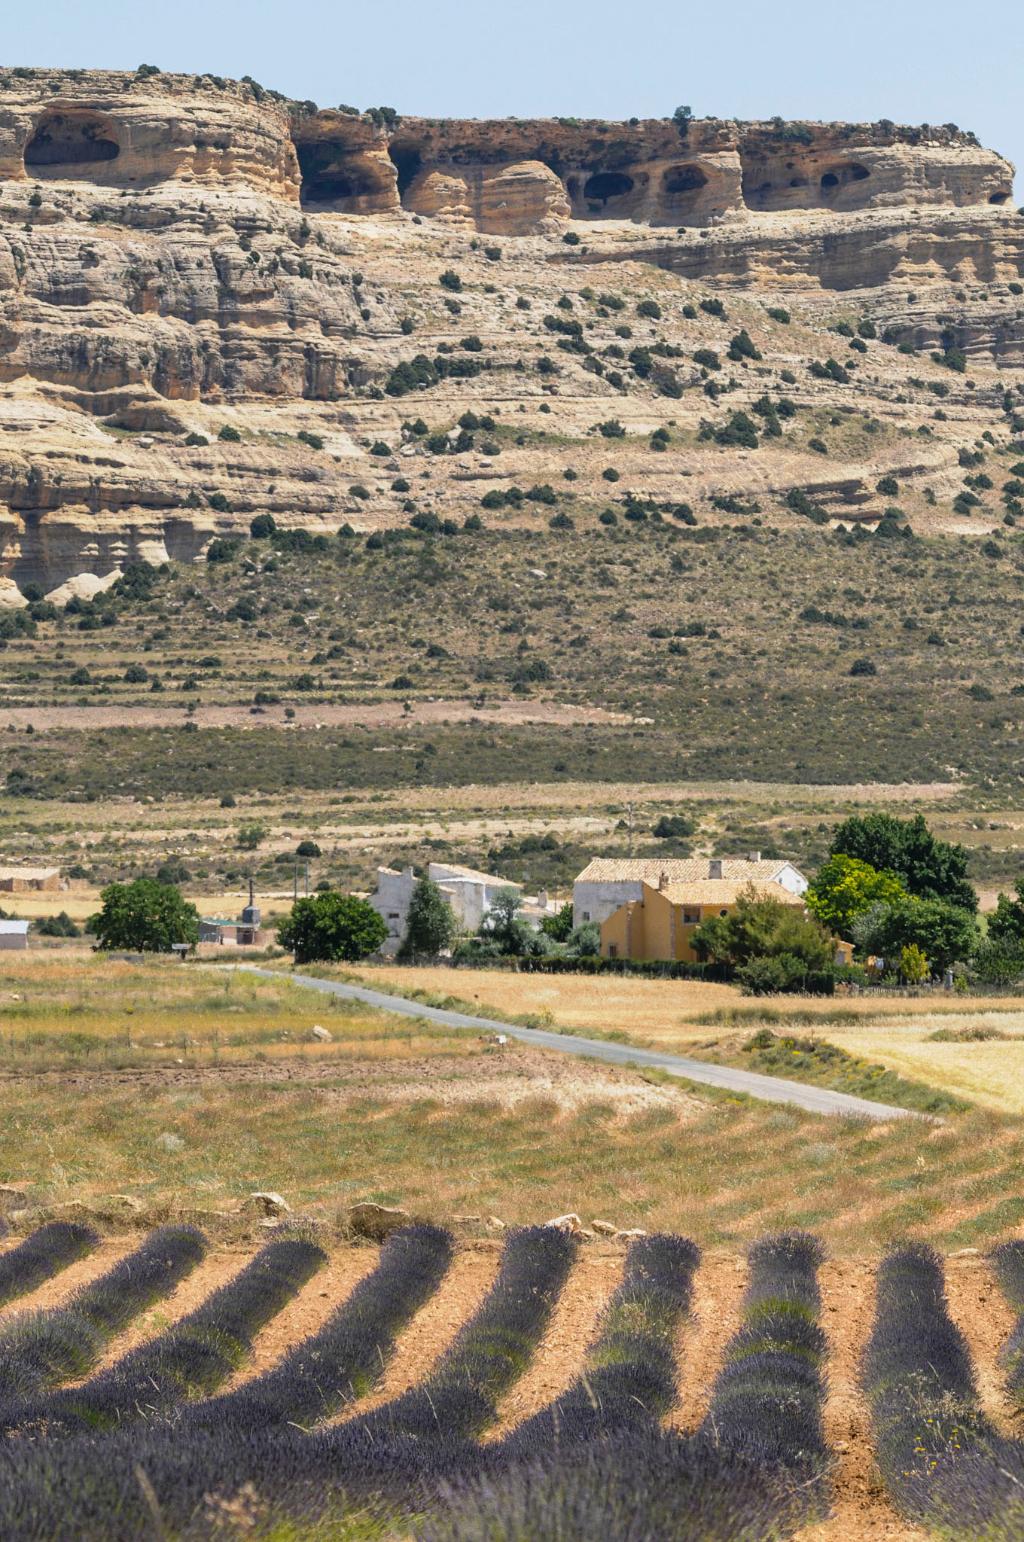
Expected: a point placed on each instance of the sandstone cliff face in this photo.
(123, 131)
(183, 257)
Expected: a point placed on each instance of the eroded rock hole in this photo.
(327, 179)
(72, 139)
(1000, 198)
(839, 176)
(604, 185)
(684, 179)
(407, 161)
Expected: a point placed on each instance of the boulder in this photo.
(12, 1198)
(604, 1228)
(570, 1223)
(267, 1203)
(376, 1222)
(322, 1035)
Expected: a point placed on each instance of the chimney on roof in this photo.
(715, 867)
(754, 856)
(662, 881)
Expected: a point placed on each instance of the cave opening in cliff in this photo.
(681, 188)
(684, 179)
(604, 185)
(1000, 198)
(327, 178)
(838, 176)
(407, 161)
(64, 139)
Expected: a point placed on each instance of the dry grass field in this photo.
(896, 1032)
(187, 1088)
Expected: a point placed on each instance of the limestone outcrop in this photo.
(133, 131)
(205, 291)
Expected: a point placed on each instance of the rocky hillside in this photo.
(217, 304)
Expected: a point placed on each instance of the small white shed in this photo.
(13, 934)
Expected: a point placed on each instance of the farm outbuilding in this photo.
(24, 880)
(13, 935)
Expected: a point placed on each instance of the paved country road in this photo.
(773, 1089)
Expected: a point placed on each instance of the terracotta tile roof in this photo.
(722, 891)
(738, 870)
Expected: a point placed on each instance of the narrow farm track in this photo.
(714, 1317)
(985, 1318)
(573, 1325)
(772, 1089)
(421, 1344)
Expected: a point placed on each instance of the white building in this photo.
(607, 883)
(13, 934)
(469, 893)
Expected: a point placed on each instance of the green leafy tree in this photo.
(845, 887)
(559, 926)
(584, 941)
(430, 926)
(998, 961)
(1006, 923)
(945, 933)
(144, 917)
(251, 835)
(762, 927)
(332, 927)
(504, 928)
(928, 868)
(914, 965)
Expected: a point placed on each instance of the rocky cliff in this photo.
(209, 298)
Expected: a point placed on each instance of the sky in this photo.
(915, 61)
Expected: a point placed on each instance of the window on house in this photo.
(586, 915)
(613, 950)
(691, 917)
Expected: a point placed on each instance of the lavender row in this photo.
(490, 1352)
(38, 1350)
(42, 1255)
(191, 1359)
(597, 1462)
(630, 1372)
(944, 1463)
(345, 1359)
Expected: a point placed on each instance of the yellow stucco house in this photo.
(660, 924)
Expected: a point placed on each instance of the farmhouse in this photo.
(13, 935)
(660, 924)
(22, 880)
(608, 883)
(469, 893)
